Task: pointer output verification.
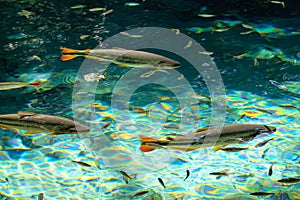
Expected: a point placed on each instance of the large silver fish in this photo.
(122, 57)
(38, 123)
(230, 134)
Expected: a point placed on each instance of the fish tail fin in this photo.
(145, 139)
(67, 50)
(67, 57)
(35, 84)
(73, 51)
(144, 147)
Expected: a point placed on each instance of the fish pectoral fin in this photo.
(67, 57)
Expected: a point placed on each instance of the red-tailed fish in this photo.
(122, 57)
(229, 134)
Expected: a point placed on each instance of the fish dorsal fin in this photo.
(118, 48)
(24, 114)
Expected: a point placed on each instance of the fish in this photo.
(132, 4)
(219, 173)
(289, 180)
(78, 6)
(40, 123)
(161, 182)
(96, 9)
(82, 163)
(41, 196)
(233, 149)
(187, 174)
(261, 193)
(107, 12)
(126, 177)
(230, 134)
(263, 142)
(270, 170)
(140, 193)
(289, 106)
(122, 57)
(206, 15)
(16, 85)
(241, 117)
(140, 110)
(105, 125)
(264, 111)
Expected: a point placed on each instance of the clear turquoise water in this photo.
(265, 77)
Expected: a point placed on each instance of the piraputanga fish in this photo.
(38, 123)
(16, 85)
(230, 134)
(122, 57)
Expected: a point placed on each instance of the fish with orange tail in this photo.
(229, 134)
(122, 57)
(16, 85)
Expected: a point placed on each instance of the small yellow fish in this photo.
(96, 9)
(206, 52)
(78, 6)
(206, 15)
(107, 12)
(189, 44)
(279, 2)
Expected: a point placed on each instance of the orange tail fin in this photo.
(73, 51)
(146, 148)
(145, 139)
(35, 84)
(67, 57)
(67, 50)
